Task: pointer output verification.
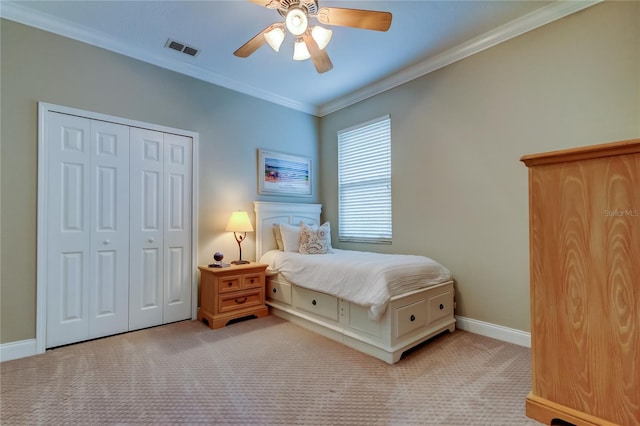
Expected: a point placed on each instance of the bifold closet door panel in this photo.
(146, 228)
(109, 229)
(87, 229)
(68, 234)
(177, 227)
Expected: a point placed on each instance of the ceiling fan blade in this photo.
(252, 45)
(356, 18)
(319, 57)
(271, 4)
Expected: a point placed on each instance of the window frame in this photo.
(377, 131)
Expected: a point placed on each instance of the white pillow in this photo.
(278, 235)
(290, 237)
(315, 239)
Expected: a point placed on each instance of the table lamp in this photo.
(239, 224)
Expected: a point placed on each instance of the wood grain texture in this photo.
(585, 283)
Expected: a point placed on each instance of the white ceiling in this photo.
(424, 36)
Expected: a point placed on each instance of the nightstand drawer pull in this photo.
(275, 290)
(313, 302)
(441, 306)
(240, 300)
(413, 318)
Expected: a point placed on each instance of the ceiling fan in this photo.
(310, 40)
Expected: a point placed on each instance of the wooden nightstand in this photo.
(233, 292)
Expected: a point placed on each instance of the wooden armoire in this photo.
(584, 207)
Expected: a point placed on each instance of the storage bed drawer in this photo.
(317, 303)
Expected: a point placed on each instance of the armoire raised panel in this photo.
(115, 226)
(585, 285)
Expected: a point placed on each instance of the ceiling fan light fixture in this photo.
(296, 21)
(321, 36)
(275, 37)
(300, 51)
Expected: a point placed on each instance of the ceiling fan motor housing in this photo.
(309, 7)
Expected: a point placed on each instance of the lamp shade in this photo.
(300, 51)
(321, 36)
(275, 37)
(239, 222)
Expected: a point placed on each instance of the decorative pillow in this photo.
(278, 235)
(315, 239)
(290, 237)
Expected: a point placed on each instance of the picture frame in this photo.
(283, 174)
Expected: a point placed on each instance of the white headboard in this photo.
(268, 213)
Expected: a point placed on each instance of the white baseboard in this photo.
(506, 334)
(25, 348)
(19, 349)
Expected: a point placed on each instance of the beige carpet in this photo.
(265, 371)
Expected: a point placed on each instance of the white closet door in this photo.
(146, 228)
(109, 229)
(88, 229)
(177, 228)
(68, 233)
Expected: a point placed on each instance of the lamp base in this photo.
(240, 262)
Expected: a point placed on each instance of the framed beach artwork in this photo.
(283, 174)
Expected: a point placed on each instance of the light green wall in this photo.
(459, 191)
(39, 66)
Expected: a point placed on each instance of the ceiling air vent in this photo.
(181, 47)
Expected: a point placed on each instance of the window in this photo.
(364, 182)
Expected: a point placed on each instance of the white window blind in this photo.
(364, 182)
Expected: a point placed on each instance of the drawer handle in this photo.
(251, 280)
(413, 318)
(274, 291)
(229, 283)
(441, 306)
(241, 300)
(313, 302)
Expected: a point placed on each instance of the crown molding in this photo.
(552, 12)
(24, 15)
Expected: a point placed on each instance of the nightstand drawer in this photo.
(226, 284)
(235, 301)
(252, 281)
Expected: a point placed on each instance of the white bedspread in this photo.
(367, 279)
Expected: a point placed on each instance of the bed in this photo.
(384, 327)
